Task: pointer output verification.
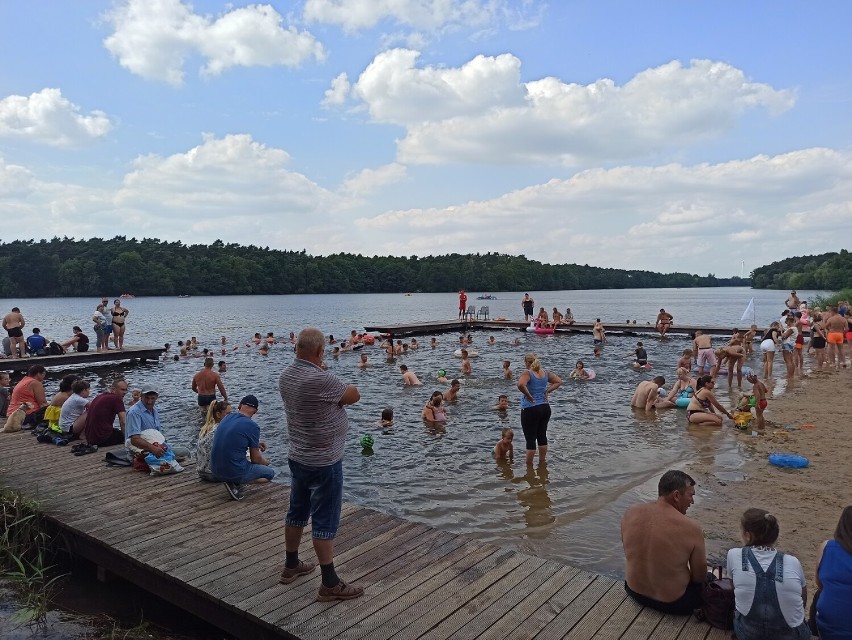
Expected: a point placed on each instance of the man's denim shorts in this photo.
(316, 492)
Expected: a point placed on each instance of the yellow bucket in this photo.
(742, 418)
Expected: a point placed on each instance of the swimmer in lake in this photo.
(686, 359)
(466, 369)
(387, 418)
(507, 371)
(453, 392)
(579, 372)
(409, 379)
(491, 340)
(434, 410)
(442, 376)
(434, 342)
(640, 354)
(362, 362)
(598, 332)
(504, 450)
(414, 344)
(502, 403)
(597, 351)
(223, 366)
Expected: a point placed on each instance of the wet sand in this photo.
(807, 502)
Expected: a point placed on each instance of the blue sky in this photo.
(659, 135)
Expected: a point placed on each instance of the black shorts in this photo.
(15, 333)
(683, 606)
(206, 399)
(818, 342)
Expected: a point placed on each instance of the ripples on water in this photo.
(603, 455)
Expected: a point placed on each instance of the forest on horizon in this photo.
(95, 267)
(829, 271)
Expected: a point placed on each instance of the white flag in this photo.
(749, 312)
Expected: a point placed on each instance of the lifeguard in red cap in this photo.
(462, 304)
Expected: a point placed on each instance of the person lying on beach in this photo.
(579, 372)
(640, 354)
(504, 450)
(507, 371)
(502, 403)
(409, 379)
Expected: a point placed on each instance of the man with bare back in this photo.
(13, 323)
(205, 383)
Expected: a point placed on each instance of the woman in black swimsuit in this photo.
(119, 316)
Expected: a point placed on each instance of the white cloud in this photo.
(153, 39)
(49, 118)
(481, 112)
(669, 217)
(395, 91)
(369, 180)
(338, 92)
(429, 15)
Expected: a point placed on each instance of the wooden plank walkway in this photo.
(87, 357)
(439, 326)
(188, 542)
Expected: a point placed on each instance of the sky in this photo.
(705, 137)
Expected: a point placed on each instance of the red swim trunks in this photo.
(762, 404)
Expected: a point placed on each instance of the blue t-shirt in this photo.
(234, 435)
(36, 342)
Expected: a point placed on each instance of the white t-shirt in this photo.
(71, 410)
(789, 592)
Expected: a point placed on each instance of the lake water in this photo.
(603, 455)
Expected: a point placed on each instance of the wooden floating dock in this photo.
(86, 357)
(188, 542)
(461, 326)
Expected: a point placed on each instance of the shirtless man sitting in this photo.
(205, 383)
(665, 558)
(647, 395)
(664, 321)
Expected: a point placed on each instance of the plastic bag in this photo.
(165, 464)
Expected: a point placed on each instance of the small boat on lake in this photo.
(486, 296)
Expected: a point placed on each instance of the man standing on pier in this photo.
(314, 402)
(205, 383)
(528, 305)
(664, 553)
(13, 323)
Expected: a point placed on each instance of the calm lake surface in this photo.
(603, 455)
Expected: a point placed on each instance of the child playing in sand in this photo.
(579, 372)
(507, 371)
(686, 359)
(758, 390)
(504, 450)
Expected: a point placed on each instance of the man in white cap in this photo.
(143, 417)
(235, 434)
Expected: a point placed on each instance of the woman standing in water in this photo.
(119, 317)
(534, 384)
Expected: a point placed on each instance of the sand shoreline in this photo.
(807, 502)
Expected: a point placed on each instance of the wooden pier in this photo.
(462, 326)
(188, 542)
(140, 354)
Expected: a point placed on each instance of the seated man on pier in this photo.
(37, 343)
(101, 415)
(664, 553)
(143, 417)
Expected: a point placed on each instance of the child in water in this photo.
(387, 418)
(504, 450)
(442, 376)
(579, 372)
(502, 403)
(507, 371)
(466, 369)
(686, 359)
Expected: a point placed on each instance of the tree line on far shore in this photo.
(94, 267)
(828, 271)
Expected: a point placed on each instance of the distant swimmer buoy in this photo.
(471, 353)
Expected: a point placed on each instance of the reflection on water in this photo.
(601, 453)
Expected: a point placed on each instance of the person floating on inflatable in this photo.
(641, 355)
(581, 373)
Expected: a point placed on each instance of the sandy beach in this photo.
(807, 502)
